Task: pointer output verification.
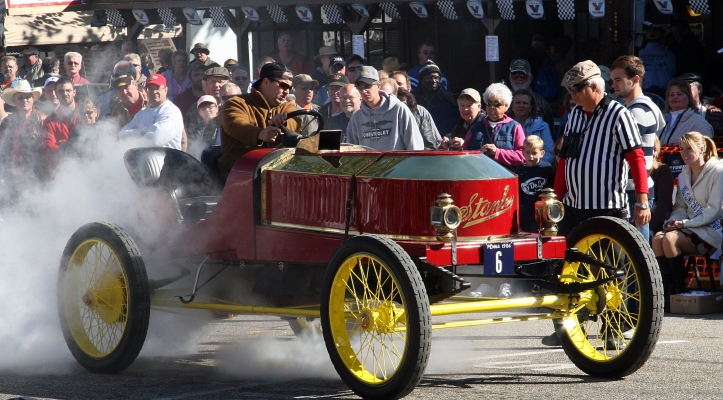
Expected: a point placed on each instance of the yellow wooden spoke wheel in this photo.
(375, 318)
(103, 298)
(616, 331)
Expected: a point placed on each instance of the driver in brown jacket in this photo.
(252, 119)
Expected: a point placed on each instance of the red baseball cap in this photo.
(156, 79)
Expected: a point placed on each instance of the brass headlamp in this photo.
(446, 217)
(548, 212)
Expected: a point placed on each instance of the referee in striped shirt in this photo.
(600, 136)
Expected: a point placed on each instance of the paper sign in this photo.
(493, 48)
(357, 42)
(153, 46)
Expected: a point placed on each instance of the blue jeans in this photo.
(645, 229)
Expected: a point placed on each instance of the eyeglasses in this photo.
(305, 87)
(427, 52)
(353, 69)
(24, 97)
(520, 75)
(240, 78)
(495, 105)
(282, 85)
(576, 88)
(363, 86)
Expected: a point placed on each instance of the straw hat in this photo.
(391, 64)
(22, 86)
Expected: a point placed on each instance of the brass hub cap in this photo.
(364, 320)
(88, 299)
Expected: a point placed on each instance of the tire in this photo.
(594, 340)
(371, 290)
(103, 298)
(304, 326)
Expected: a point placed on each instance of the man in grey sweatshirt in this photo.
(383, 122)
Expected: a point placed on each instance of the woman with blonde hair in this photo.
(694, 224)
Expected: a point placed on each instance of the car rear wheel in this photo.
(616, 333)
(103, 298)
(375, 318)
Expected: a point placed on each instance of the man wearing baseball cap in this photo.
(304, 88)
(383, 122)
(336, 67)
(252, 120)
(132, 99)
(333, 106)
(161, 123)
(32, 68)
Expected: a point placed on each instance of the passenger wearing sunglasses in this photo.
(252, 120)
(383, 122)
(426, 53)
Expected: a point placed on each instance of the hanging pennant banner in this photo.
(475, 8)
(251, 14)
(419, 9)
(141, 16)
(192, 16)
(304, 13)
(597, 9)
(534, 9)
(664, 6)
(361, 8)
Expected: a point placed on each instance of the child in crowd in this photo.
(533, 176)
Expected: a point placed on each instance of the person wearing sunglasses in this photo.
(599, 137)
(253, 120)
(383, 122)
(425, 53)
(353, 64)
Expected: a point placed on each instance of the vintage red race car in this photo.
(373, 243)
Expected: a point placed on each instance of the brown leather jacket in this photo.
(242, 118)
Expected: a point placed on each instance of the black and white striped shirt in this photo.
(598, 177)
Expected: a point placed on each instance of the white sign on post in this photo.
(493, 48)
(357, 42)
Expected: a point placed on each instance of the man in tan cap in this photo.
(598, 139)
(304, 88)
(287, 56)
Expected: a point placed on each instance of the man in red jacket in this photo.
(62, 121)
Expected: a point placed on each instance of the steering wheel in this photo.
(291, 138)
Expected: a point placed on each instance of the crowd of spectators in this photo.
(528, 124)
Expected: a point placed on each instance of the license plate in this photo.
(499, 258)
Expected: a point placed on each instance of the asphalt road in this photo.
(258, 357)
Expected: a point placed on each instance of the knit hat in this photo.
(428, 68)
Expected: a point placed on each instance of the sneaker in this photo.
(551, 340)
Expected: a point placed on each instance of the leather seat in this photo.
(193, 188)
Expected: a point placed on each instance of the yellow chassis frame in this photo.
(560, 306)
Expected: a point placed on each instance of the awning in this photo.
(58, 28)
